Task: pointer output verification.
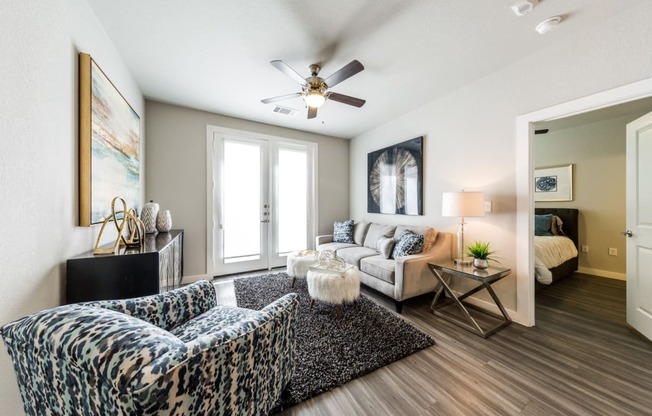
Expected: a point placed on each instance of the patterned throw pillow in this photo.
(343, 231)
(408, 243)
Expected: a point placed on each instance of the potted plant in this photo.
(481, 254)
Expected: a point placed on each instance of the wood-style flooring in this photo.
(580, 359)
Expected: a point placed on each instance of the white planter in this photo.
(164, 221)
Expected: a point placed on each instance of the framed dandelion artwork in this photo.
(395, 179)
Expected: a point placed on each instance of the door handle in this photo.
(628, 233)
(265, 221)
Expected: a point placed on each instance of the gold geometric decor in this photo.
(109, 145)
(125, 220)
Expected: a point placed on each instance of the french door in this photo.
(263, 203)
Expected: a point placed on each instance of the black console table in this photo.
(157, 267)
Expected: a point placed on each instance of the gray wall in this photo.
(470, 133)
(597, 152)
(176, 171)
(39, 45)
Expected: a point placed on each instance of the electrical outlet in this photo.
(487, 206)
(585, 249)
(613, 251)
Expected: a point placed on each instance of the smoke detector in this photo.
(548, 25)
(523, 7)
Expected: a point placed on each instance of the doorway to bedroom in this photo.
(592, 145)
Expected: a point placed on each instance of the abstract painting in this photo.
(109, 145)
(395, 179)
(554, 183)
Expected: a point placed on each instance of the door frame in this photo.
(212, 199)
(524, 173)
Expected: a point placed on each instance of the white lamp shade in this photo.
(462, 204)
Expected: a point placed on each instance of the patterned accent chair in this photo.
(175, 353)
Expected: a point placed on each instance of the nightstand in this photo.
(486, 277)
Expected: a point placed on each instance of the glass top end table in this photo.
(485, 277)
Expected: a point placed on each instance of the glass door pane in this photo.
(292, 200)
(243, 188)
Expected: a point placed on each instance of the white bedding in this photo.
(549, 252)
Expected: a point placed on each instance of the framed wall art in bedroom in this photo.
(109, 145)
(553, 183)
(395, 179)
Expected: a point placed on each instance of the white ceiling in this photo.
(214, 55)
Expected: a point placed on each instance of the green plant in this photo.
(480, 250)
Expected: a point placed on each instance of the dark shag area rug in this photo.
(331, 352)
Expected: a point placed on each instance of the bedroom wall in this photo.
(176, 171)
(597, 152)
(39, 44)
(470, 133)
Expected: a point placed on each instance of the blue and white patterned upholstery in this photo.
(343, 231)
(176, 353)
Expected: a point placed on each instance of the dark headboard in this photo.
(570, 218)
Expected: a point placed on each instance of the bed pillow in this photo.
(409, 243)
(556, 226)
(343, 231)
(542, 224)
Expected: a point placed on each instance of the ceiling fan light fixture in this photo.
(314, 99)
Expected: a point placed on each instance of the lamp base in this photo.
(464, 261)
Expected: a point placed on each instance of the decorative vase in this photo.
(148, 216)
(480, 263)
(164, 221)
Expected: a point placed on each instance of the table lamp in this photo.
(462, 204)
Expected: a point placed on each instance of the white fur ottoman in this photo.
(299, 262)
(333, 287)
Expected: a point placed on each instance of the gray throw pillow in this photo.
(409, 243)
(343, 231)
(384, 246)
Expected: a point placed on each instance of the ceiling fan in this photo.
(315, 89)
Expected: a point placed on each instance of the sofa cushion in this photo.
(335, 246)
(360, 232)
(409, 243)
(343, 231)
(429, 234)
(377, 266)
(375, 232)
(353, 255)
(385, 246)
(215, 319)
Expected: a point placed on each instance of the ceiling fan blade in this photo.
(280, 98)
(347, 71)
(312, 112)
(346, 99)
(285, 68)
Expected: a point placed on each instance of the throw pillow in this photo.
(343, 231)
(384, 246)
(542, 224)
(409, 243)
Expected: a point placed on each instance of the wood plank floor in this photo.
(580, 359)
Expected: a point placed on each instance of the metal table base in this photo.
(469, 323)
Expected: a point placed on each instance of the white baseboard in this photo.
(192, 279)
(602, 273)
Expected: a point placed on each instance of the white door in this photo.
(263, 198)
(639, 223)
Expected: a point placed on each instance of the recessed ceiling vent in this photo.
(284, 110)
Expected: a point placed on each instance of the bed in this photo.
(565, 254)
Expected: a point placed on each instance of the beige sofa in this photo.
(401, 278)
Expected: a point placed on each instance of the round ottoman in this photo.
(333, 287)
(299, 262)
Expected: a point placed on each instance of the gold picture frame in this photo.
(109, 145)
